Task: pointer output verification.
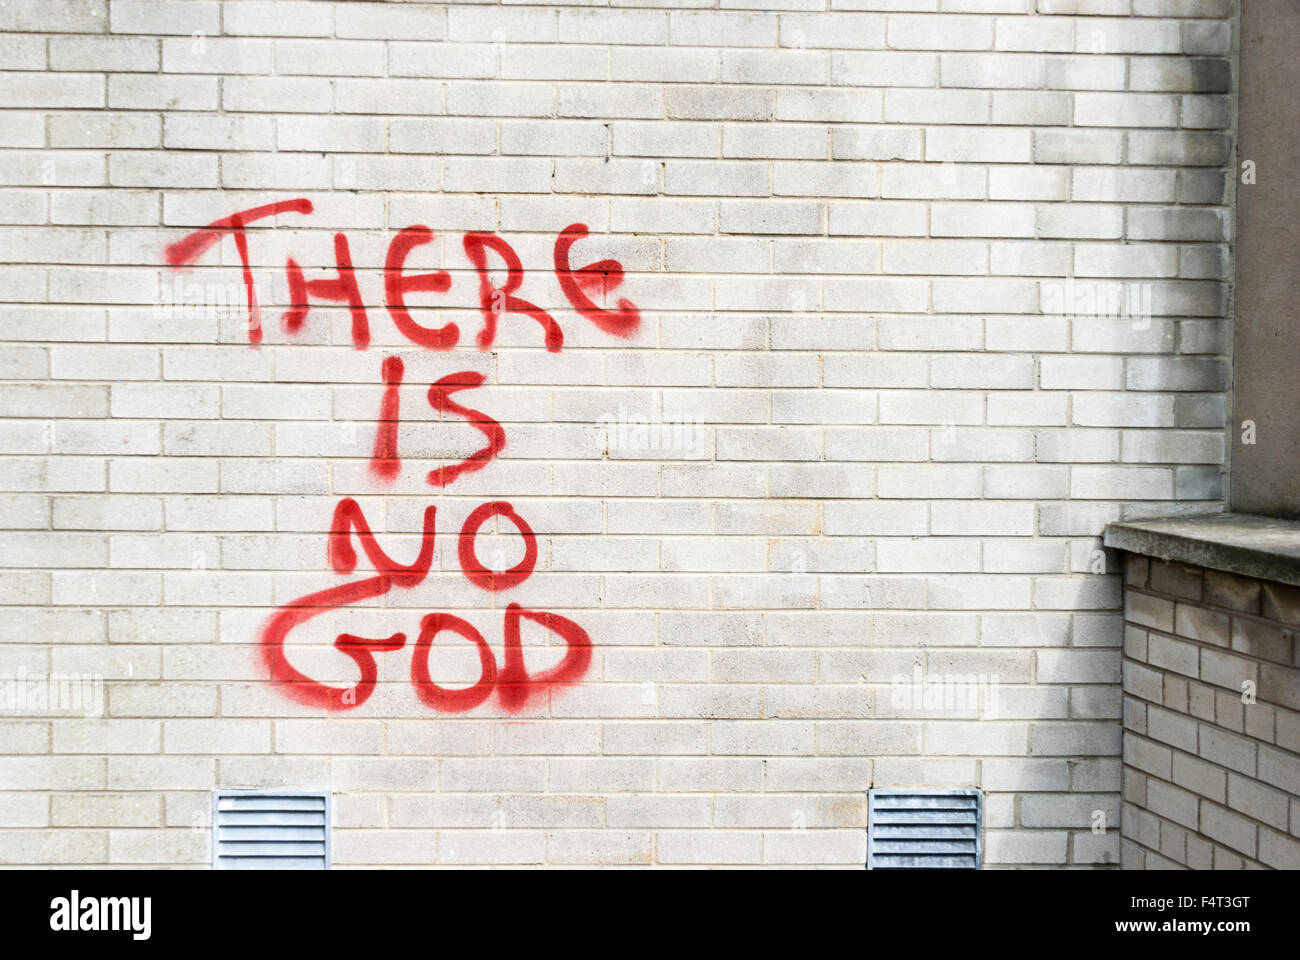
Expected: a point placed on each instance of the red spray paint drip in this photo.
(384, 461)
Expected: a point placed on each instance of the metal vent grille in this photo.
(255, 830)
(924, 829)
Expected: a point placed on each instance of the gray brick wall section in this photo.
(1211, 720)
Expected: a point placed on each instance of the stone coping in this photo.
(1242, 543)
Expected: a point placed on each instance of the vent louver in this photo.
(924, 829)
(270, 831)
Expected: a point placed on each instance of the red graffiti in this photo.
(480, 575)
(384, 462)
(348, 519)
(514, 685)
(342, 289)
(440, 698)
(191, 247)
(603, 276)
(396, 285)
(511, 683)
(495, 301)
(343, 558)
(440, 397)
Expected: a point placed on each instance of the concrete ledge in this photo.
(1241, 543)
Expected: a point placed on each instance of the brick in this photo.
(1280, 601)
(1278, 851)
(1229, 828)
(383, 21)
(1262, 640)
(1149, 611)
(158, 16)
(116, 54)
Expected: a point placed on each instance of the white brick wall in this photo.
(929, 290)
